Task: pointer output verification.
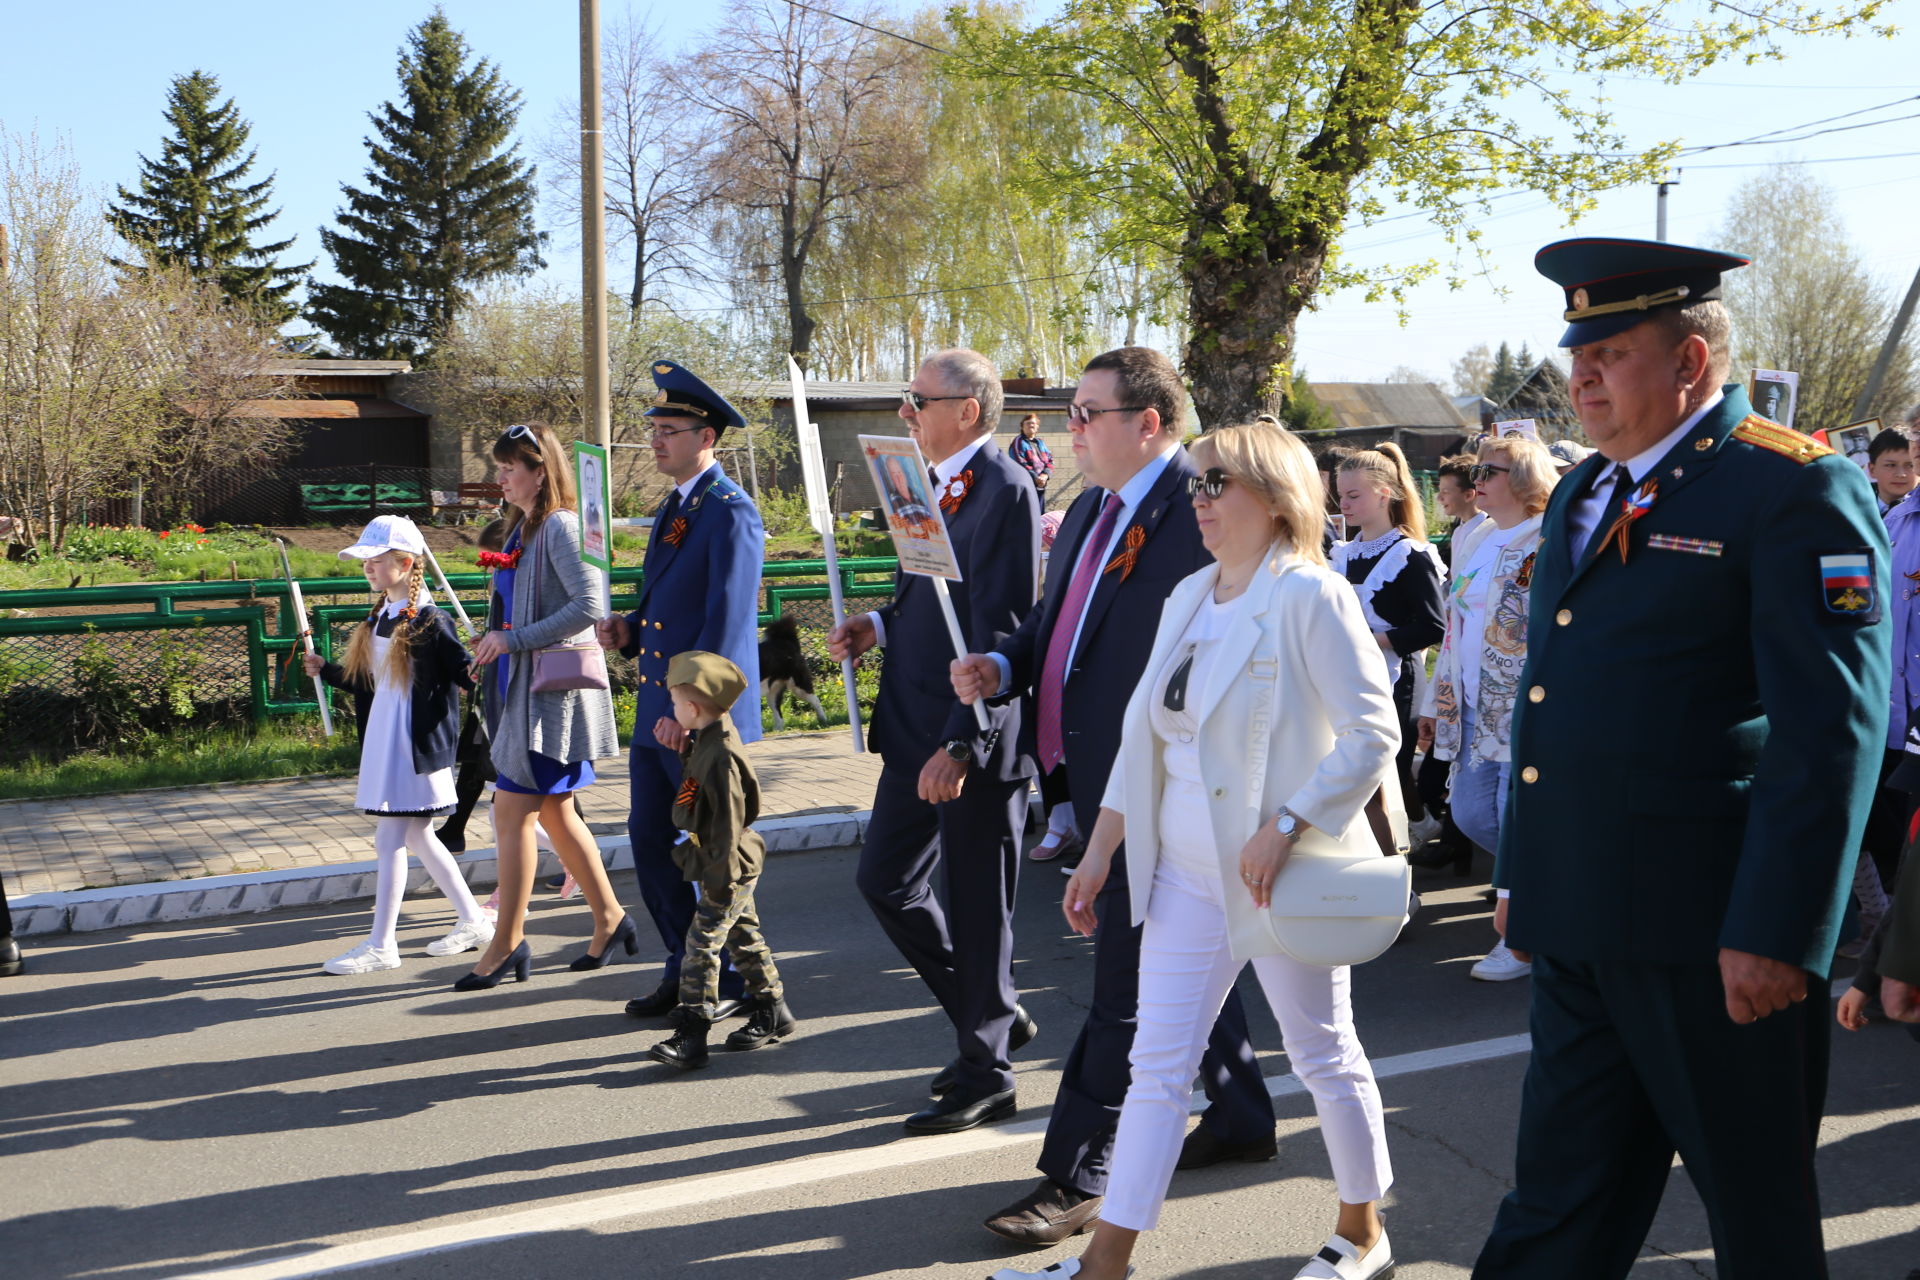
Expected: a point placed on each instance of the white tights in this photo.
(393, 839)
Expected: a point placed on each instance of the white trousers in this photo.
(1185, 973)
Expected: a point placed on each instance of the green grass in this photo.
(186, 758)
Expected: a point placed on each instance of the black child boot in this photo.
(686, 1048)
(769, 1022)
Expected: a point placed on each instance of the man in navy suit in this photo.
(1122, 548)
(701, 591)
(951, 799)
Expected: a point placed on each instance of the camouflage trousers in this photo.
(725, 917)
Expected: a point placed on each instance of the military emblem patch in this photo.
(1846, 583)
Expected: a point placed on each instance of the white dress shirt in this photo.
(1584, 518)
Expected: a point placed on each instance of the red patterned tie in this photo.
(1053, 673)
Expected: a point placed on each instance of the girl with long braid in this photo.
(402, 667)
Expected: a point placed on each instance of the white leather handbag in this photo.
(1336, 902)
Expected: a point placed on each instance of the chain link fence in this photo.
(64, 693)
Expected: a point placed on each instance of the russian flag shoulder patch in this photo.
(1846, 583)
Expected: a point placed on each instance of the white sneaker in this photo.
(1065, 1269)
(1426, 829)
(465, 937)
(1339, 1260)
(365, 958)
(1500, 965)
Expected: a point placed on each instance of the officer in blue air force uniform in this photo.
(1693, 759)
(701, 590)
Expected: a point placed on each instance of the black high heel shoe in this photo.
(520, 960)
(625, 934)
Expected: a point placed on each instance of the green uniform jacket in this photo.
(717, 804)
(1699, 729)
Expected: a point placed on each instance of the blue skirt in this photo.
(550, 777)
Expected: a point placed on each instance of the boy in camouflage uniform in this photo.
(718, 801)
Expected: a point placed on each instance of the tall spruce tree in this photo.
(194, 208)
(449, 204)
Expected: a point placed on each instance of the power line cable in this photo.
(879, 31)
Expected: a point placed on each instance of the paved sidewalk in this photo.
(184, 833)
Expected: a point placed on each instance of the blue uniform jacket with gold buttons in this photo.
(1700, 727)
(701, 591)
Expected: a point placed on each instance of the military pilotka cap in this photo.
(1612, 285)
(679, 394)
(715, 679)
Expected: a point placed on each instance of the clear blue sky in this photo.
(308, 82)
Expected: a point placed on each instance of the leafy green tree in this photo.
(1251, 133)
(448, 205)
(195, 209)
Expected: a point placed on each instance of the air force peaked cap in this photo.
(1612, 285)
(679, 394)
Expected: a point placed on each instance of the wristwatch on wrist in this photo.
(960, 751)
(1286, 823)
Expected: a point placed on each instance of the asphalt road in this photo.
(179, 1100)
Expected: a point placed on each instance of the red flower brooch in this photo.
(955, 492)
(501, 559)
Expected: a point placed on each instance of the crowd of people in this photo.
(1662, 685)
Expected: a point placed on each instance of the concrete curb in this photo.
(211, 897)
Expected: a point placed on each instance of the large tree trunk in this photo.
(1241, 313)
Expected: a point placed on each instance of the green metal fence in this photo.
(92, 665)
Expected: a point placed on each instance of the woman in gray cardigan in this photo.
(543, 743)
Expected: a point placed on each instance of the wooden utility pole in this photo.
(1871, 392)
(593, 234)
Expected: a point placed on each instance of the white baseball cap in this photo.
(384, 534)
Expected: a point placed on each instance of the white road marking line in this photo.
(561, 1214)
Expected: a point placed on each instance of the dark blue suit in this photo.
(701, 593)
(1696, 746)
(1115, 641)
(960, 943)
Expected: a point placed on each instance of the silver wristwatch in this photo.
(1286, 823)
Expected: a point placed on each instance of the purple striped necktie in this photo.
(1053, 673)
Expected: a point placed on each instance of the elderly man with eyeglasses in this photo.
(701, 591)
(951, 800)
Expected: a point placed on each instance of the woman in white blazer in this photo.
(1208, 838)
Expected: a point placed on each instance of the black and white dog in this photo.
(783, 670)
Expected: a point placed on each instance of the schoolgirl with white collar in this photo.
(404, 666)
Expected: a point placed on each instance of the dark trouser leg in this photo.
(6, 913)
(1886, 832)
(668, 899)
(468, 786)
(1079, 1143)
(1403, 759)
(1592, 1159)
(1742, 1104)
(964, 950)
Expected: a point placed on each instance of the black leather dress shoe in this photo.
(1202, 1149)
(1019, 1036)
(728, 1007)
(1046, 1215)
(664, 1000)
(10, 961)
(958, 1111)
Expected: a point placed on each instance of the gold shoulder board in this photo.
(1785, 441)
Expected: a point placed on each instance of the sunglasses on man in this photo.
(915, 402)
(1079, 415)
(1212, 482)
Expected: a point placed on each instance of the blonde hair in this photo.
(556, 481)
(1531, 473)
(1273, 463)
(1387, 467)
(358, 663)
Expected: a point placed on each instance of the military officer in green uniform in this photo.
(715, 808)
(1693, 758)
